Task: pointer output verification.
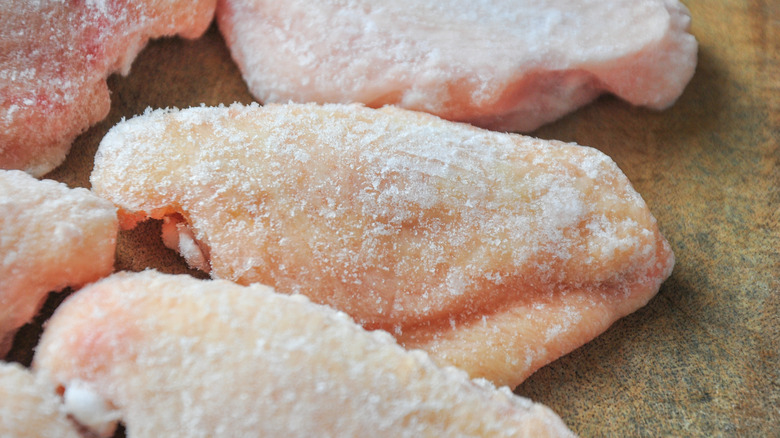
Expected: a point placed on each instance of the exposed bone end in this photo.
(90, 409)
(179, 236)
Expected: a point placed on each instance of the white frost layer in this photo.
(185, 357)
(30, 407)
(51, 237)
(502, 64)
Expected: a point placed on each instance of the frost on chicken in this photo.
(55, 57)
(51, 237)
(30, 406)
(405, 221)
(176, 356)
(502, 64)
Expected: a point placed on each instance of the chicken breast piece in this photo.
(30, 407)
(51, 237)
(407, 222)
(55, 57)
(177, 356)
(502, 64)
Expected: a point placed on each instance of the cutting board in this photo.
(701, 359)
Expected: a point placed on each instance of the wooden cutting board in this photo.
(701, 359)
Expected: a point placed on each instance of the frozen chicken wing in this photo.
(30, 407)
(51, 237)
(407, 222)
(502, 64)
(177, 356)
(55, 57)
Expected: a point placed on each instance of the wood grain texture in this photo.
(701, 359)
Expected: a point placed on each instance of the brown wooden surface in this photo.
(701, 359)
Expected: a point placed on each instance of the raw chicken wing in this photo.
(55, 56)
(177, 356)
(30, 407)
(50, 237)
(502, 64)
(495, 252)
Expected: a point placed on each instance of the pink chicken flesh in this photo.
(30, 407)
(501, 64)
(176, 356)
(55, 57)
(51, 237)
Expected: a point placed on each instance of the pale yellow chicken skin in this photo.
(494, 252)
